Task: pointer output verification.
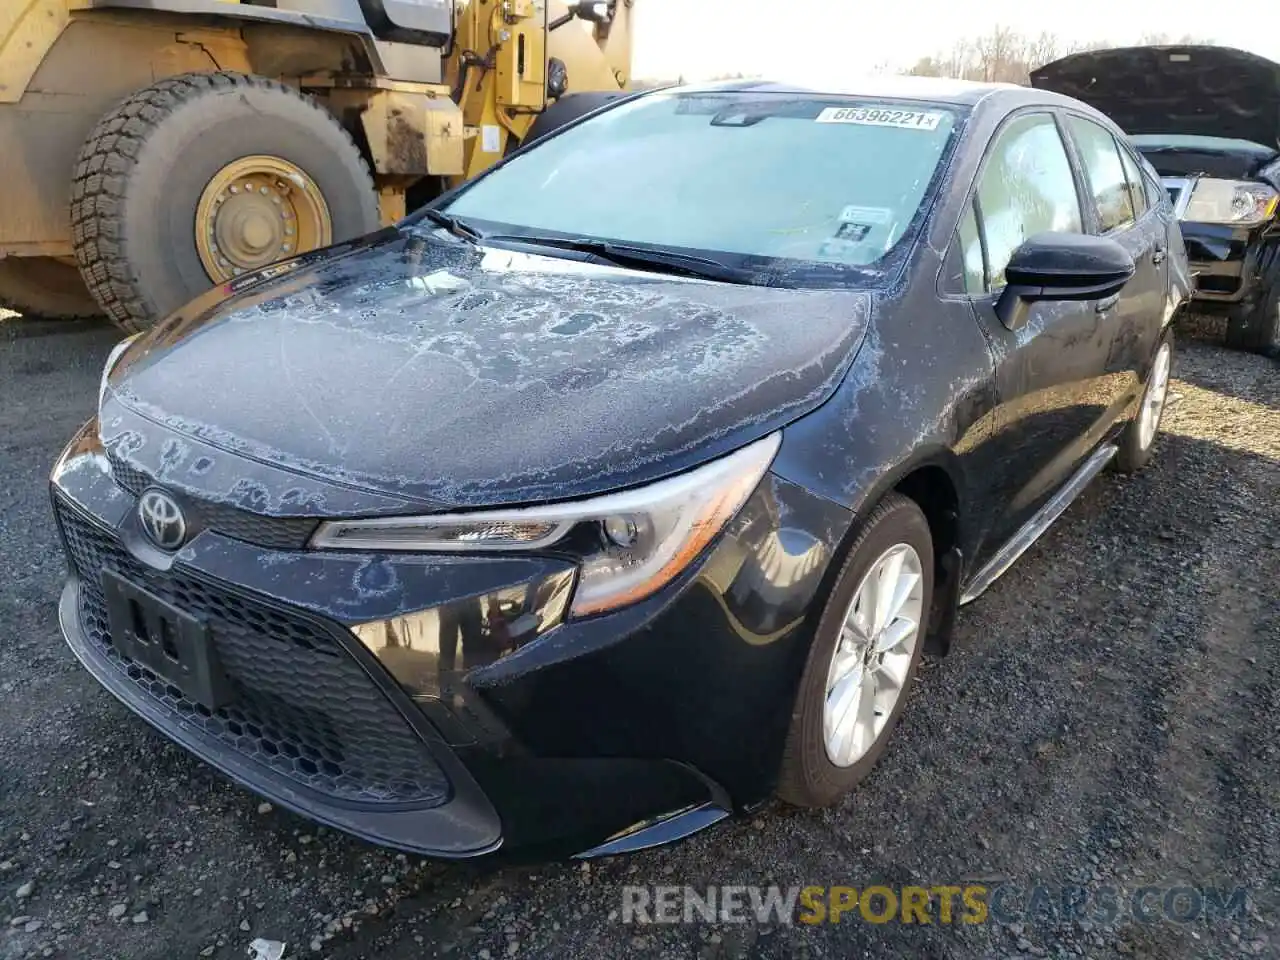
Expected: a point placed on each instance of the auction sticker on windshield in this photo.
(882, 117)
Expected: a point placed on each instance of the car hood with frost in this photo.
(438, 375)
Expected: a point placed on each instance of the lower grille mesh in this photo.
(301, 706)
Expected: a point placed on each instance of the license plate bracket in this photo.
(172, 644)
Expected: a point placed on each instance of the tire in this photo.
(143, 170)
(808, 776)
(1255, 326)
(1136, 446)
(46, 288)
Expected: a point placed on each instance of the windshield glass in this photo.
(762, 180)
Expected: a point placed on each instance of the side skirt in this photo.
(654, 833)
(1031, 531)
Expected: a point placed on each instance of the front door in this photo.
(1050, 372)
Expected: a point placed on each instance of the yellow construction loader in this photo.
(152, 148)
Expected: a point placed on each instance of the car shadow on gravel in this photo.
(1104, 718)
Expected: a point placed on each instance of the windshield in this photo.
(752, 179)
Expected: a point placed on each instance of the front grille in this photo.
(301, 705)
(278, 533)
(127, 475)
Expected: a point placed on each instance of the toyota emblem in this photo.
(162, 520)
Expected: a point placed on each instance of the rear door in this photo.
(1050, 373)
(1117, 202)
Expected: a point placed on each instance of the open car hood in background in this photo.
(1207, 91)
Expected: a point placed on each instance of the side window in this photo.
(1156, 192)
(1026, 188)
(1105, 173)
(1137, 184)
(970, 242)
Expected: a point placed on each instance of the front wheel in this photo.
(863, 658)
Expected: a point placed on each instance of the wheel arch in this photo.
(931, 478)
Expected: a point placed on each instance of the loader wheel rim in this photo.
(255, 211)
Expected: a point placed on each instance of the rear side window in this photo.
(1137, 183)
(1105, 173)
(1026, 188)
(1156, 193)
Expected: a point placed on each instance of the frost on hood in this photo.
(463, 376)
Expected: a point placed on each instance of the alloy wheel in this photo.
(872, 658)
(1154, 399)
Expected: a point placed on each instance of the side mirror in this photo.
(1061, 266)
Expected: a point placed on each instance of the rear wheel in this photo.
(863, 658)
(45, 287)
(1138, 440)
(201, 177)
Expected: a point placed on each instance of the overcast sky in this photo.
(700, 38)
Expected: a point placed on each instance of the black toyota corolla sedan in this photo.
(623, 488)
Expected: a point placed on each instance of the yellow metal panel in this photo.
(28, 28)
(97, 61)
(445, 138)
(391, 203)
(522, 62)
(410, 133)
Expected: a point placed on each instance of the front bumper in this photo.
(1229, 264)
(564, 743)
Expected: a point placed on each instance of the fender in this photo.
(342, 16)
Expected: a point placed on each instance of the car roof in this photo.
(964, 93)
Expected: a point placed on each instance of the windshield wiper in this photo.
(627, 255)
(459, 228)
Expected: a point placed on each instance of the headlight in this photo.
(112, 359)
(1235, 202)
(630, 544)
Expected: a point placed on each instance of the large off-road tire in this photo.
(1138, 439)
(811, 775)
(1255, 326)
(46, 288)
(156, 163)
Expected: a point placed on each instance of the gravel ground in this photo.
(1107, 718)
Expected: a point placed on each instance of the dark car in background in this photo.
(623, 488)
(1208, 120)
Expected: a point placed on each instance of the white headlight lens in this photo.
(1236, 202)
(631, 544)
(453, 532)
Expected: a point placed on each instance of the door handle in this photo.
(1158, 255)
(1104, 305)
